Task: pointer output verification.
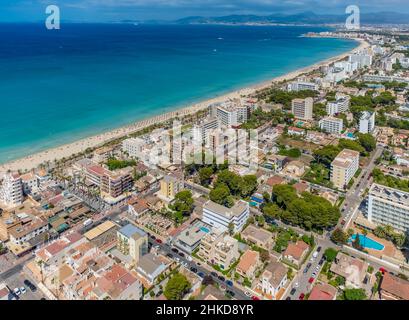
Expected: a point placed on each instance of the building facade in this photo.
(344, 167)
(302, 108)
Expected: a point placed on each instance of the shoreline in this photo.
(63, 151)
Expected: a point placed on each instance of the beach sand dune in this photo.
(65, 151)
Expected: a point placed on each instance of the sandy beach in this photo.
(64, 151)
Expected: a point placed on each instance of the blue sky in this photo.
(114, 10)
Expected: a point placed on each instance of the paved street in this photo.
(166, 249)
(353, 197)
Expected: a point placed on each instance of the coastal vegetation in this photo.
(273, 95)
(115, 164)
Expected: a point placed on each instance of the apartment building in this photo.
(340, 105)
(344, 167)
(132, 241)
(170, 185)
(11, 191)
(331, 125)
(115, 183)
(219, 249)
(388, 206)
(221, 217)
(29, 228)
(302, 108)
(233, 113)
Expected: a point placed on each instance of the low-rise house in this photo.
(394, 288)
(323, 292)
(151, 266)
(273, 280)
(260, 237)
(137, 207)
(117, 284)
(275, 180)
(294, 131)
(352, 269)
(249, 263)
(294, 169)
(296, 252)
(301, 187)
(5, 294)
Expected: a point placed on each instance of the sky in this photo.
(116, 10)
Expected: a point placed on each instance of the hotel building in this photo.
(220, 217)
(11, 191)
(300, 85)
(341, 104)
(344, 167)
(169, 187)
(302, 108)
(331, 125)
(367, 122)
(388, 206)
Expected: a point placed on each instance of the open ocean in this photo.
(58, 86)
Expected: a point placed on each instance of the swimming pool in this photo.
(368, 242)
(204, 229)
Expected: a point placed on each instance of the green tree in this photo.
(367, 141)
(177, 287)
(205, 174)
(330, 254)
(183, 203)
(339, 236)
(355, 294)
(220, 194)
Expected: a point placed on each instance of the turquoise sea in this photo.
(57, 86)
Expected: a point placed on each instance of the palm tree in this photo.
(365, 233)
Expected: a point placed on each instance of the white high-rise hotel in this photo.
(331, 125)
(388, 206)
(11, 191)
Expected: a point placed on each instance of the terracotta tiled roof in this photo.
(395, 286)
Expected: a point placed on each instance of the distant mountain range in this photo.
(301, 18)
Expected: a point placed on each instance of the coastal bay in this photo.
(104, 117)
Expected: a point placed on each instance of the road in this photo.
(301, 280)
(353, 197)
(167, 250)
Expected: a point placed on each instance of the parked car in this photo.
(193, 269)
(214, 274)
(181, 254)
(311, 280)
(293, 290)
(255, 298)
(169, 255)
(221, 278)
(23, 290)
(301, 297)
(229, 283)
(230, 293)
(319, 249)
(174, 250)
(247, 293)
(17, 291)
(288, 298)
(201, 274)
(158, 240)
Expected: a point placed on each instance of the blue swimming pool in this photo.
(204, 229)
(368, 242)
